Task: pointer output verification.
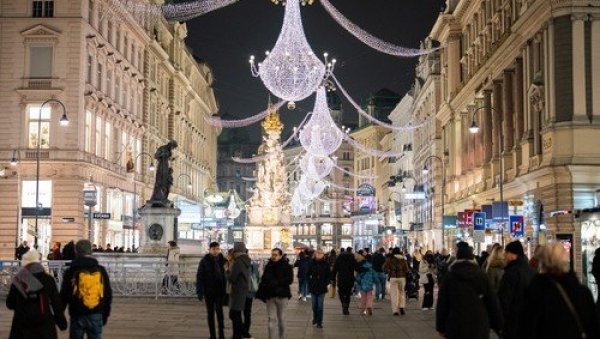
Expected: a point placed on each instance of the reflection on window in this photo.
(39, 131)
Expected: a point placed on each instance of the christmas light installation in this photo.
(303, 2)
(310, 188)
(370, 40)
(320, 136)
(352, 174)
(316, 167)
(374, 152)
(188, 10)
(291, 71)
(218, 122)
(119, 10)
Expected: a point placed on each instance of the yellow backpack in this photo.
(89, 288)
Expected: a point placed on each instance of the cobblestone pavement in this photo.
(185, 318)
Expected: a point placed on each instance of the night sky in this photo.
(227, 37)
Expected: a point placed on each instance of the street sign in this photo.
(517, 228)
(99, 215)
(479, 221)
(90, 198)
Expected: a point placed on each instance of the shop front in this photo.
(43, 211)
(590, 241)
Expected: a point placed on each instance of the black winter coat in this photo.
(343, 270)
(276, 280)
(467, 308)
(378, 261)
(55, 313)
(319, 276)
(511, 293)
(210, 277)
(547, 314)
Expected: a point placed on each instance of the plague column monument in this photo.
(158, 214)
(269, 208)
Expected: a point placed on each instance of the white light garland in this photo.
(218, 122)
(192, 9)
(249, 160)
(368, 39)
(374, 152)
(291, 71)
(369, 117)
(316, 167)
(118, 11)
(333, 185)
(320, 136)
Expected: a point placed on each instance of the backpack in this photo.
(33, 310)
(88, 287)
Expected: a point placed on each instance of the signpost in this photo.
(517, 228)
(479, 227)
(90, 199)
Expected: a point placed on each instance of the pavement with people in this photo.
(186, 318)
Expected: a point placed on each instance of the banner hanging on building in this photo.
(517, 228)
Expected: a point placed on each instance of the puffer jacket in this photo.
(366, 276)
(396, 266)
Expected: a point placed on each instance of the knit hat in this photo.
(30, 257)
(239, 247)
(515, 247)
(464, 251)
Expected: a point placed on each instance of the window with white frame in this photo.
(98, 140)
(88, 132)
(40, 62)
(107, 140)
(43, 8)
(39, 126)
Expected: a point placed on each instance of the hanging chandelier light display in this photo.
(291, 71)
(310, 188)
(320, 136)
(316, 167)
(191, 9)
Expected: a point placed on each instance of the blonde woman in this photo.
(556, 304)
(495, 267)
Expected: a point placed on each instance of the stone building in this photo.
(233, 175)
(527, 73)
(129, 85)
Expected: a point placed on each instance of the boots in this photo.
(369, 311)
(402, 311)
(345, 309)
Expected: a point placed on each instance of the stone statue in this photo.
(164, 175)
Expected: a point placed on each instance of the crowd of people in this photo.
(500, 290)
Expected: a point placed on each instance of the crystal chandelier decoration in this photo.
(320, 136)
(310, 188)
(303, 2)
(291, 71)
(316, 167)
(191, 9)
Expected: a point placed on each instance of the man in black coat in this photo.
(511, 292)
(380, 277)
(210, 286)
(343, 271)
(467, 307)
(22, 249)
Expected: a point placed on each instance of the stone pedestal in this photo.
(262, 239)
(159, 228)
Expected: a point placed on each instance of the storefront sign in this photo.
(517, 228)
(415, 196)
(365, 190)
(30, 212)
(461, 220)
(479, 221)
(450, 221)
(28, 193)
(99, 215)
(499, 210)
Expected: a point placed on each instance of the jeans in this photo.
(303, 287)
(317, 307)
(238, 325)
(247, 317)
(276, 314)
(90, 324)
(397, 294)
(380, 280)
(214, 305)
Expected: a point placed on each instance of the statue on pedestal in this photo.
(164, 176)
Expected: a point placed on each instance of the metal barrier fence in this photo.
(129, 277)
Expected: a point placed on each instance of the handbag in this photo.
(331, 290)
(571, 308)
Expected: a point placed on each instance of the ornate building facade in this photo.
(128, 85)
(527, 73)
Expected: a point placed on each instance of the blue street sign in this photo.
(517, 228)
(479, 221)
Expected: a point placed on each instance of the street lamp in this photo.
(151, 168)
(474, 129)
(64, 121)
(426, 171)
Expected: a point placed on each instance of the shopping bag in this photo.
(331, 288)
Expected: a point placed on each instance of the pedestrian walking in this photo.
(495, 267)
(596, 273)
(22, 249)
(365, 280)
(210, 287)
(86, 289)
(34, 298)
(511, 292)
(253, 288)
(319, 276)
(396, 268)
(331, 260)
(427, 279)
(171, 278)
(380, 277)
(68, 252)
(239, 278)
(466, 307)
(302, 264)
(343, 277)
(534, 262)
(274, 290)
(417, 257)
(556, 304)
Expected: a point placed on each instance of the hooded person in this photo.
(35, 300)
(467, 306)
(239, 278)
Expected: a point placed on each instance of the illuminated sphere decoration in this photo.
(310, 188)
(291, 71)
(320, 136)
(316, 167)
